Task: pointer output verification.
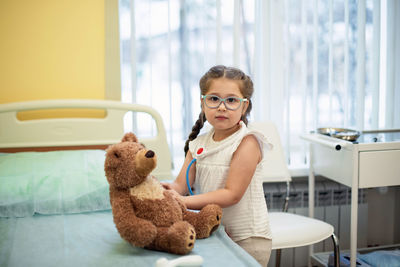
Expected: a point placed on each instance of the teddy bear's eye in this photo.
(117, 155)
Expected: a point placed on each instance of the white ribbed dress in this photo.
(249, 217)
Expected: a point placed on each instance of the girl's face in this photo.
(224, 121)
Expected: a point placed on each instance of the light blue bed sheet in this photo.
(91, 239)
(55, 211)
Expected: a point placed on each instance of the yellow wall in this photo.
(52, 49)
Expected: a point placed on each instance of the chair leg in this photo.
(336, 251)
(278, 258)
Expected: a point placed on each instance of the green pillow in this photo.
(52, 183)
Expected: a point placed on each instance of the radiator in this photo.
(332, 204)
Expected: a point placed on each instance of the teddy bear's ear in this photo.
(129, 137)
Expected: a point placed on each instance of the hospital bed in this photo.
(54, 200)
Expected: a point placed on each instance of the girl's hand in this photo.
(173, 186)
(166, 185)
(169, 187)
(176, 195)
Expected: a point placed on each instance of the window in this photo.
(314, 63)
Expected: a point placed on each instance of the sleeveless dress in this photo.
(248, 217)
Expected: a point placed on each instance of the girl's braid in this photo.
(195, 130)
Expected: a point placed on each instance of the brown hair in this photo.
(220, 71)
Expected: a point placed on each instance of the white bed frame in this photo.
(78, 133)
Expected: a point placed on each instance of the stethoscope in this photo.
(199, 151)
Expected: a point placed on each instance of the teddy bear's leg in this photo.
(177, 239)
(206, 221)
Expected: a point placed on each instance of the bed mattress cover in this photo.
(91, 239)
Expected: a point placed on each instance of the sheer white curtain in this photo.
(314, 63)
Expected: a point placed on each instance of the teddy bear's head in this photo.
(128, 163)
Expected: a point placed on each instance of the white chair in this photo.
(289, 230)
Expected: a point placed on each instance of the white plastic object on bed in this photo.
(190, 260)
(64, 132)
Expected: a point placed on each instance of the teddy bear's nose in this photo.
(149, 154)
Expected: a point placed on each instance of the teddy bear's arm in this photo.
(136, 231)
(204, 221)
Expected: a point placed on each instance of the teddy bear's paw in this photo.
(208, 221)
(182, 237)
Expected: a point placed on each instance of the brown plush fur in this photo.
(145, 214)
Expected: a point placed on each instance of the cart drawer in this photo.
(379, 168)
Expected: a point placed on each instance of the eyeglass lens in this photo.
(213, 101)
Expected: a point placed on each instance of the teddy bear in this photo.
(145, 213)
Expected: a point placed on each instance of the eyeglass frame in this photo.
(224, 101)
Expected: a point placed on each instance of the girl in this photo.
(227, 170)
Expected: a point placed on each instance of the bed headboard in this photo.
(77, 133)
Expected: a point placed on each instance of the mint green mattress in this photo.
(55, 211)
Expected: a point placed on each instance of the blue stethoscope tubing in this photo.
(187, 177)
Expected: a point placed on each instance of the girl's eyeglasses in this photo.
(231, 102)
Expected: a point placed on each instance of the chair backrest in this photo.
(275, 168)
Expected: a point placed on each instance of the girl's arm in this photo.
(243, 165)
(179, 185)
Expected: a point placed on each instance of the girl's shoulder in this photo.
(260, 136)
(252, 134)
